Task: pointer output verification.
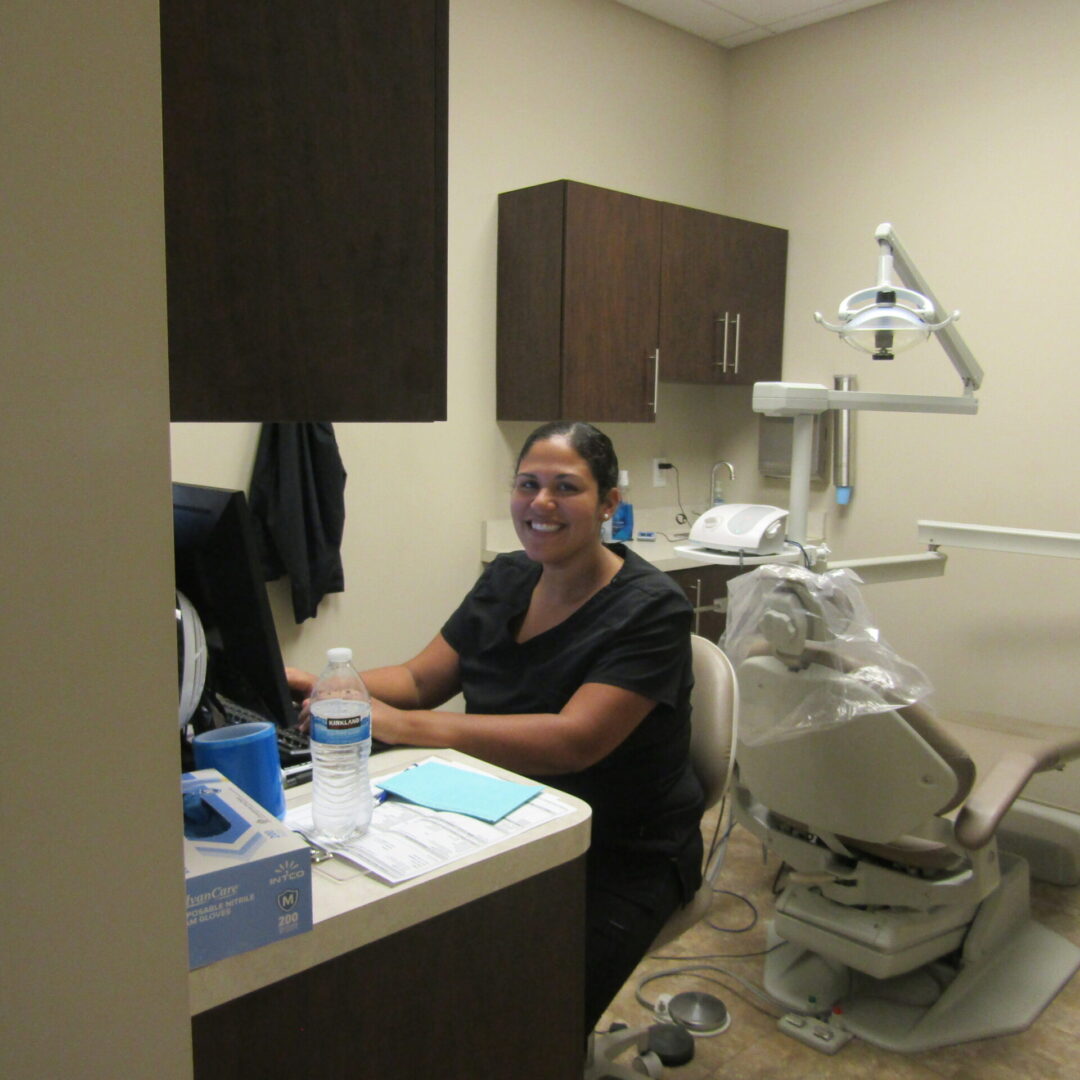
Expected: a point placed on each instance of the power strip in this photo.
(819, 1034)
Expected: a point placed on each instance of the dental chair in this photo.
(713, 734)
(899, 917)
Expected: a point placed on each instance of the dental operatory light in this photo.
(886, 318)
(882, 321)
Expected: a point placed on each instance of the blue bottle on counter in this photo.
(622, 521)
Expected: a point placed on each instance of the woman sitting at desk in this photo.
(574, 660)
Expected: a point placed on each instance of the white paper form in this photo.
(405, 840)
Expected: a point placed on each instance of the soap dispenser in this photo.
(622, 523)
(716, 489)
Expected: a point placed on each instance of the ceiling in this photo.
(731, 23)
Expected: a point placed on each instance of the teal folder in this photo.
(440, 786)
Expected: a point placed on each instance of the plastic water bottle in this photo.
(341, 802)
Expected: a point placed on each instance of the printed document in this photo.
(405, 840)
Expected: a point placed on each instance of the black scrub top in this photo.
(635, 634)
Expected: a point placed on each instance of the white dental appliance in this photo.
(747, 528)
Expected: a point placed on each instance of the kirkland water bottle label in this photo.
(339, 722)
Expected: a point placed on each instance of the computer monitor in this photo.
(218, 570)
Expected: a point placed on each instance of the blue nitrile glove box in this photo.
(248, 875)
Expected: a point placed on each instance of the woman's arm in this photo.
(426, 681)
(592, 723)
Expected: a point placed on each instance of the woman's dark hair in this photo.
(593, 446)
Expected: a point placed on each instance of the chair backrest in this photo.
(874, 777)
(715, 718)
(713, 737)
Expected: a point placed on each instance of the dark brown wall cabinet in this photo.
(602, 295)
(305, 208)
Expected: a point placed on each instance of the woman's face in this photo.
(556, 504)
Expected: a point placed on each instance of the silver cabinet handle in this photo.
(722, 362)
(697, 605)
(656, 380)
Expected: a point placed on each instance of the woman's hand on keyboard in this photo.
(300, 685)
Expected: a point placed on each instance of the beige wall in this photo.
(94, 951)
(539, 90)
(978, 180)
(954, 120)
(975, 171)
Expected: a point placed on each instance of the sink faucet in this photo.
(716, 491)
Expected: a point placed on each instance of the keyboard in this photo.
(298, 773)
(293, 746)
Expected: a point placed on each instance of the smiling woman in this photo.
(574, 660)
(563, 491)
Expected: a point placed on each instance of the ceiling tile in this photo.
(698, 17)
(731, 23)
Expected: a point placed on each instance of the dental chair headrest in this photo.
(806, 619)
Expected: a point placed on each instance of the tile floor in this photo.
(753, 1049)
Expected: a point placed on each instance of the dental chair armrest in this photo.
(990, 800)
(1007, 752)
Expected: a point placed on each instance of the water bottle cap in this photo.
(339, 656)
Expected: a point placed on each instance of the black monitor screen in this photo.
(218, 570)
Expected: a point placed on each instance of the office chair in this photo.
(899, 914)
(714, 731)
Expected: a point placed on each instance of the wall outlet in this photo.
(659, 476)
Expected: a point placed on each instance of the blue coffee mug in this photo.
(248, 755)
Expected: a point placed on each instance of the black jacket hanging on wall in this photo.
(297, 499)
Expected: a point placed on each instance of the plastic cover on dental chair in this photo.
(817, 625)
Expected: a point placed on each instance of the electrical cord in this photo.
(680, 518)
(727, 930)
(806, 557)
(736, 929)
(719, 841)
(777, 888)
(764, 1002)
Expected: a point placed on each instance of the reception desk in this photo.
(474, 969)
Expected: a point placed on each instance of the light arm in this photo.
(967, 367)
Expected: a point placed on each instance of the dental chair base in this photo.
(1006, 971)
(911, 960)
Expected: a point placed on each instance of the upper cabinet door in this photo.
(697, 289)
(305, 208)
(758, 285)
(578, 295)
(611, 296)
(722, 298)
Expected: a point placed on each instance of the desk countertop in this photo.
(352, 909)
